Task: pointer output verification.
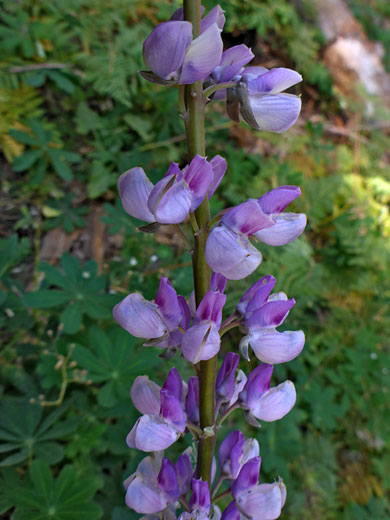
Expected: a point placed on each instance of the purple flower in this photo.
(157, 321)
(164, 419)
(287, 226)
(234, 452)
(256, 295)
(175, 195)
(228, 250)
(219, 166)
(265, 403)
(174, 57)
(200, 498)
(269, 345)
(184, 472)
(153, 486)
(202, 341)
(259, 98)
(192, 400)
(226, 383)
(232, 62)
(231, 67)
(253, 500)
(231, 253)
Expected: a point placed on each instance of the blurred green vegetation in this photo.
(74, 115)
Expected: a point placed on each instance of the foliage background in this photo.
(67, 131)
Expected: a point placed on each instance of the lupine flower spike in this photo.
(177, 53)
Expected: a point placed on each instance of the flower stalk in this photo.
(194, 120)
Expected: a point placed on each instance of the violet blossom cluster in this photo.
(159, 488)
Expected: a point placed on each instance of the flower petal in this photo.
(216, 15)
(251, 450)
(134, 190)
(174, 384)
(230, 454)
(201, 342)
(139, 317)
(241, 380)
(172, 411)
(274, 81)
(168, 304)
(219, 166)
(231, 254)
(200, 498)
(153, 434)
(202, 56)
(274, 113)
(167, 480)
(218, 282)
(144, 497)
(275, 347)
(253, 72)
(210, 308)
(247, 218)
(145, 395)
(225, 383)
(164, 49)
(263, 502)
(185, 312)
(271, 314)
(198, 175)
(276, 403)
(192, 400)
(247, 478)
(276, 200)
(256, 295)
(257, 384)
(288, 227)
(170, 200)
(231, 512)
(184, 472)
(232, 61)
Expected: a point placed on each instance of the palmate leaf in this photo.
(112, 359)
(8, 481)
(43, 152)
(24, 432)
(68, 497)
(79, 286)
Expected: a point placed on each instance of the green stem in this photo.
(213, 88)
(231, 326)
(221, 495)
(194, 119)
(227, 413)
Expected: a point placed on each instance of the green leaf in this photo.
(36, 79)
(9, 480)
(15, 458)
(101, 179)
(106, 396)
(24, 138)
(86, 119)
(26, 160)
(46, 298)
(60, 165)
(23, 425)
(62, 81)
(71, 318)
(50, 452)
(42, 478)
(113, 359)
(68, 497)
